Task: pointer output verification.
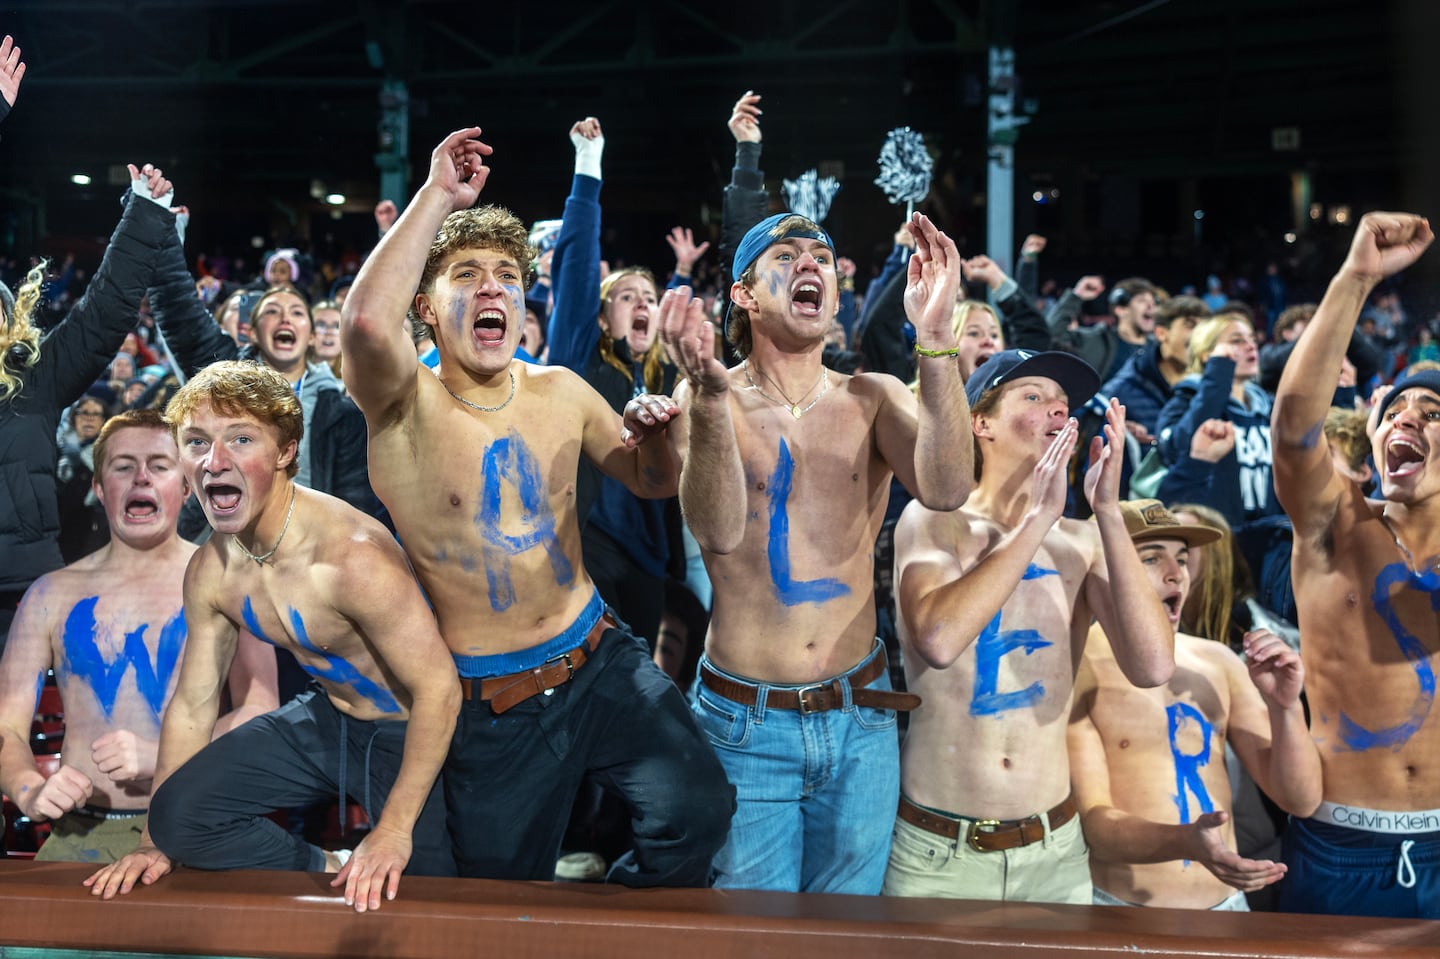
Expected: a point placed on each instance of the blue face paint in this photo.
(990, 646)
(509, 460)
(776, 278)
(1187, 765)
(1352, 734)
(457, 317)
(788, 591)
(84, 660)
(340, 671)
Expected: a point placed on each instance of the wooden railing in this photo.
(270, 914)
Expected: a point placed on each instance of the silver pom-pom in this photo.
(905, 166)
(810, 195)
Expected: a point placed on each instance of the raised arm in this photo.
(1305, 480)
(629, 449)
(192, 334)
(1267, 723)
(1117, 589)
(712, 475)
(12, 71)
(390, 612)
(746, 201)
(575, 263)
(939, 468)
(943, 605)
(373, 336)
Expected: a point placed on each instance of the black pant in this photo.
(511, 779)
(637, 597)
(210, 813)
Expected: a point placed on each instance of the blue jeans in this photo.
(816, 793)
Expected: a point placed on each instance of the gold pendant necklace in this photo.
(796, 410)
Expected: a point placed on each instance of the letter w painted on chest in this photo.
(789, 591)
(993, 644)
(508, 461)
(84, 660)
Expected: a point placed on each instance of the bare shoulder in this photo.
(958, 532)
(873, 387)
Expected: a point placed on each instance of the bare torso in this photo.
(989, 739)
(484, 503)
(795, 602)
(1165, 753)
(117, 631)
(1370, 636)
(296, 604)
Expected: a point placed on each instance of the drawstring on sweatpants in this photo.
(1405, 868)
(344, 755)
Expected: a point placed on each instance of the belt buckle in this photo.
(569, 664)
(800, 698)
(973, 834)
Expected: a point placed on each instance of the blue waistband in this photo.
(501, 664)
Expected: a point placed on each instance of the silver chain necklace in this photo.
(477, 406)
(260, 560)
(796, 410)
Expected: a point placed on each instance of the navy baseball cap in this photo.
(1076, 377)
(1423, 379)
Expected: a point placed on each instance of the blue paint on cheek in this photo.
(457, 317)
(88, 664)
(776, 279)
(517, 298)
(341, 671)
(1355, 737)
(789, 591)
(1187, 765)
(991, 645)
(508, 461)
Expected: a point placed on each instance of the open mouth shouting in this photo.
(222, 499)
(141, 507)
(490, 327)
(285, 338)
(1403, 457)
(807, 295)
(1172, 602)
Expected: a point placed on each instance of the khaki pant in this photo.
(1056, 869)
(82, 837)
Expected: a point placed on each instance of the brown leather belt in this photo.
(819, 697)
(989, 835)
(505, 692)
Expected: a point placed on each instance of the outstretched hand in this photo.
(689, 338)
(12, 70)
(1386, 243)
(687, 252)
(744, 120)
(932, 283)
(1228, 866)
(1275, 668)
(457, 166)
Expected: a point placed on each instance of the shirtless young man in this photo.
(310, 574)
(477, 465)
(1148, 765)
(986, 810)
(111, 626)
(787, 473)
(1367, 589)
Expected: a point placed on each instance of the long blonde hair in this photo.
(1208, 608)
(20, 336)
(654, 369)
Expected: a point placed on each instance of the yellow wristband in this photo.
(921, 351)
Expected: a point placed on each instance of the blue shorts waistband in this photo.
(502, 664)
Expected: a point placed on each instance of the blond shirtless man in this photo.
(477, 464)
(995, 601)
(308, 573)
(1367, 586)
(787, 473)
(1148, 765)
(112, 628)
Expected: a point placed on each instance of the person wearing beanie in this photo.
(995, 600)
(1367, 578)
(1148, 765)
(787, 467)
(282, 268)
